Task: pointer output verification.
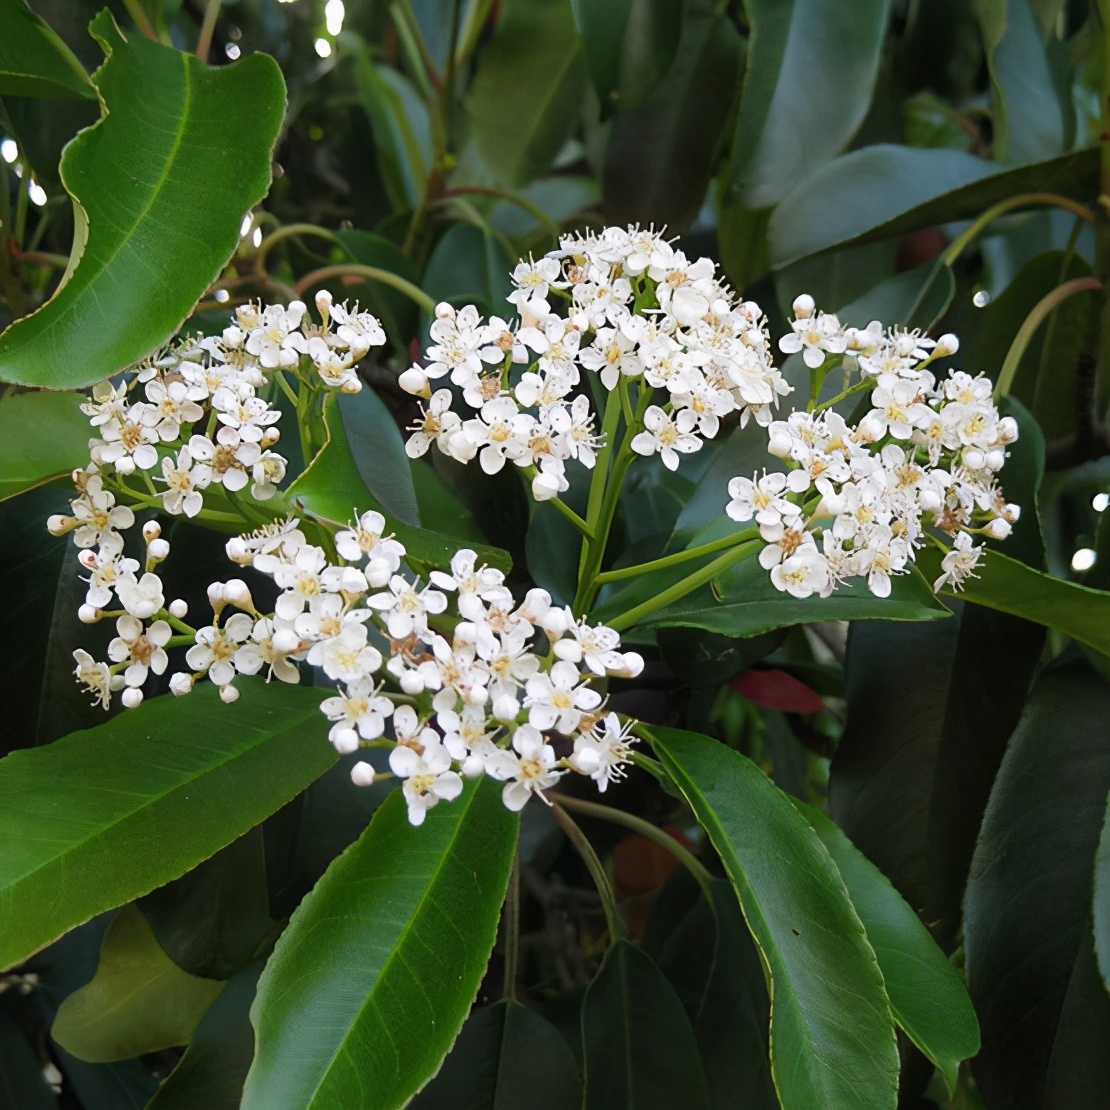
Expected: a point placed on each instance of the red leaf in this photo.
(778, 690)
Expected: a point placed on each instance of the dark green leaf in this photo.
(105, 815)
(1031, 969)
(535, 52)
(398, 933)
(1102, 899)
(331, 488)
(42, 128)
(139, 1001)
(922, 744)
(886, 190)
(27, 456)
(22, 1083)
(160, 186)
(437, 501)
(639, 1048)
(398, 314)
(33, 59)
(832, 1035)
(602, 26)
(215, 1065)
(469, 267)
(927, 995)
(661, 155)
(506, 1057)
(821, 92)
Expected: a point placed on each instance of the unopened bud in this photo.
(998, 529)
(88, 614)
(505, 708)
(181, 684)
(228, 694)
(444, 311)
(238, 593)
(238, 551)
(285, 641)
(947, 344)
(1012, 513)
(323, 304)
(362, 774)
(473, 767)
(345, 740)
(87, 559)
(412, 682)
(151, 530)
(157, 551)
(270, 436)
(131, 697)
(415, 381)
(178, 608)
(1007, 429)
(779, 444)
(125, 465)
(216, 595)
(973, 458)
(59, 525)
(803, 306)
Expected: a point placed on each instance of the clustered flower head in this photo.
(634, 309)
(477, 682)
(855, 501)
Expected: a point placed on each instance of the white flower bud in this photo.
(131, 697)
(973, 458)
(633, 665)
(181, 684)
(157, 551)
(415, 381)
(323, 304)
(995, 459)
(238, 593)
(270, 436)
(555, 622)
(947, 344)
(151, 530)
(1007, 429)
(125, 465)
(1012, 513)
(779, 444)
(929, 500)
(506, 708)
(444, 311)
(362, 774)
(803, 306)
(285, 641)
(998, 529)
(228, 694)
(473, 767)
(412, 682)
(217, 595)
(238, 551)
(58, 525)
(178, 608)
(87, 559)
(88, 614)
(344, 740)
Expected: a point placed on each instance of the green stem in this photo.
(589, 857)
(537, 213)
(208, 29)
(287, 232)
(570, 514)
(175, 622)
(677, 558)
(686, 585)
(1033, 321)
(135, 10)
(867, 383)
(353, 269)
(644, 828)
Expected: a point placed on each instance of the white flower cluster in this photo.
(203, 422)
(636, 309)
(855, 500)
(494, 687)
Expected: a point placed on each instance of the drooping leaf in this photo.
(506, 1056)
(887, 190)
(1102, 899)
(398, 931)
(535, 51)
(927, 995)
(832, 1034)
(160, 186)
(661, 155)
(212, 1071)
(820, 95)
(139, 1001)
(28, 457)
(105, 815)
(34, 61)
(1031, 969)
(639, 1049)
(331, 488)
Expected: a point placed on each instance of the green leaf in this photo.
(34, 61)
(885, 190)
(1102, 899)
(28, 457)
(1028, 938)
(469, 267)
(398, 314)
(160, 186)
(22, 1083)
(1011, 587)
(661, 155)
(139, 1001)
(832, 1035)
(398, 934)
(506, 1057)
(103, 816)
(927, 995)
(820, 94)
(535, 52)
(638, 1045)
(332, 488)
(215, 1065)
(1022, 84)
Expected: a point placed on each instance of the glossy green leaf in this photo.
(43, 127)
(34, 61)
(535, 52)
(332, 488)
(832, 1034)
(212, 1071)
(1102, 899)
(602, 26)
(660, 156)
(820, 96)
(638, 1045)
(927, 995)
(139, 1001)
(1028, 938)
(1029, 121)
(469, 267)
(398, 934)
(1011, 587)
(507, 1056)
(886, 190)
(160, 186)
(103, 816)
(29, 455)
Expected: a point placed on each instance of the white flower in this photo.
(405, 608)
(227, 461)
(107, 565)
(142, 598)
(803, 573)
(98, 515)
(436, 426)
(347, 656)
(141, 648)
(358, 330)
(183, 492)
(764, 499)
(529, 768)
(958, 564)
(667, 435)
(814, 336)
(603, 752)
(366, 538)
(270, 645)
(215, 648)
(474, 585)
(428, 778)
(359, 711)
(556, 700)
(94, 677)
